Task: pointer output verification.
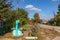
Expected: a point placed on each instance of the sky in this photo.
(45, 8)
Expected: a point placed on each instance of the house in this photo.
(43, 21)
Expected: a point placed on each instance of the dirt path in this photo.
(56, 28)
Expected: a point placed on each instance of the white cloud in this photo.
(31, 7)
(54, 0)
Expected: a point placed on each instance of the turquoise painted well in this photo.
(17, 32)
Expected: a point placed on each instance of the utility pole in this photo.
(54, 13)
(17, 2)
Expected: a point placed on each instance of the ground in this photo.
(45, 32)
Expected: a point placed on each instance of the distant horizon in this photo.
(45, 8)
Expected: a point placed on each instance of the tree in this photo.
(23, 16)
(59, 7)
(56, 19)
(36, 17)
(5, 6)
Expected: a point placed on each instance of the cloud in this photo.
(31, 7)
(54, 0)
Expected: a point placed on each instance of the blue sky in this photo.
(45, 8)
